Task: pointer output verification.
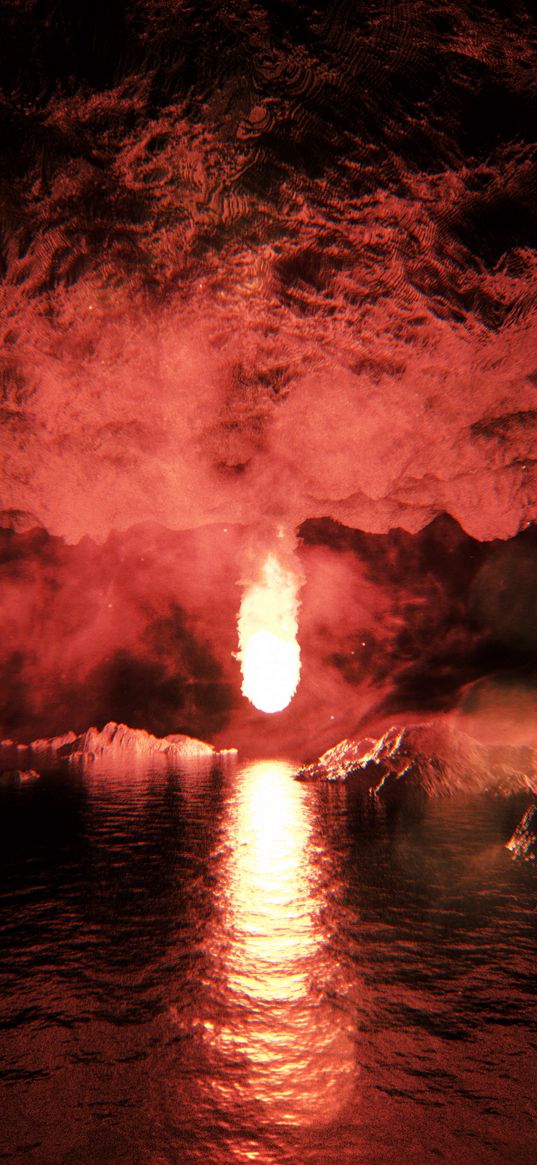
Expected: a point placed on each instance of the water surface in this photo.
(223, 965)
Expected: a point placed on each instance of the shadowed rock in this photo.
(12, 777)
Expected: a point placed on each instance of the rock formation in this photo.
(433, 759)
(116, 743)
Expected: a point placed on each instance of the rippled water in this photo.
(226, 965)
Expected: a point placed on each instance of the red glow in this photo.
(206, 322)
(300, 1054)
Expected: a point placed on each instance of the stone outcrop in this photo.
(119, 740)
(117, 743)
(432, 759)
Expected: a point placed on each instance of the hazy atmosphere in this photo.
(264, 266)
(268, 577)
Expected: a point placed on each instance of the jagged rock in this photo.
(434, 759)
(523, 843)
(52, 744)
(118, 741)
(115, 743)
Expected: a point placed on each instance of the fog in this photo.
(284, 283)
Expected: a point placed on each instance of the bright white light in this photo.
(270, 667)
(270, 655)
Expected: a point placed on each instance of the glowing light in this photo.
(270, 654)
(271, 667)
(269, 887)
(294, 1042)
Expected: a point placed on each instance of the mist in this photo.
(283, 287)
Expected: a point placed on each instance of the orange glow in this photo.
(269, 885)
(278, 966)
(269, 650)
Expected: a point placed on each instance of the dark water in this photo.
(221, 966)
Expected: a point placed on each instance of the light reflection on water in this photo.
(277, 966)
(269, 892)
(222, 965)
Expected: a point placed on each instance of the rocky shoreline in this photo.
(434, 759)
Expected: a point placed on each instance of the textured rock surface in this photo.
(523, 843)
(434, 759)
(117, 742)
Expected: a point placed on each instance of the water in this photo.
(224, 965)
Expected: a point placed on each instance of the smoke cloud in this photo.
(265, 267)
(271, 287)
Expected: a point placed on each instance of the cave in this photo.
(268, 567)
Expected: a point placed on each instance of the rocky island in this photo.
(115, 743)
(433, 759)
